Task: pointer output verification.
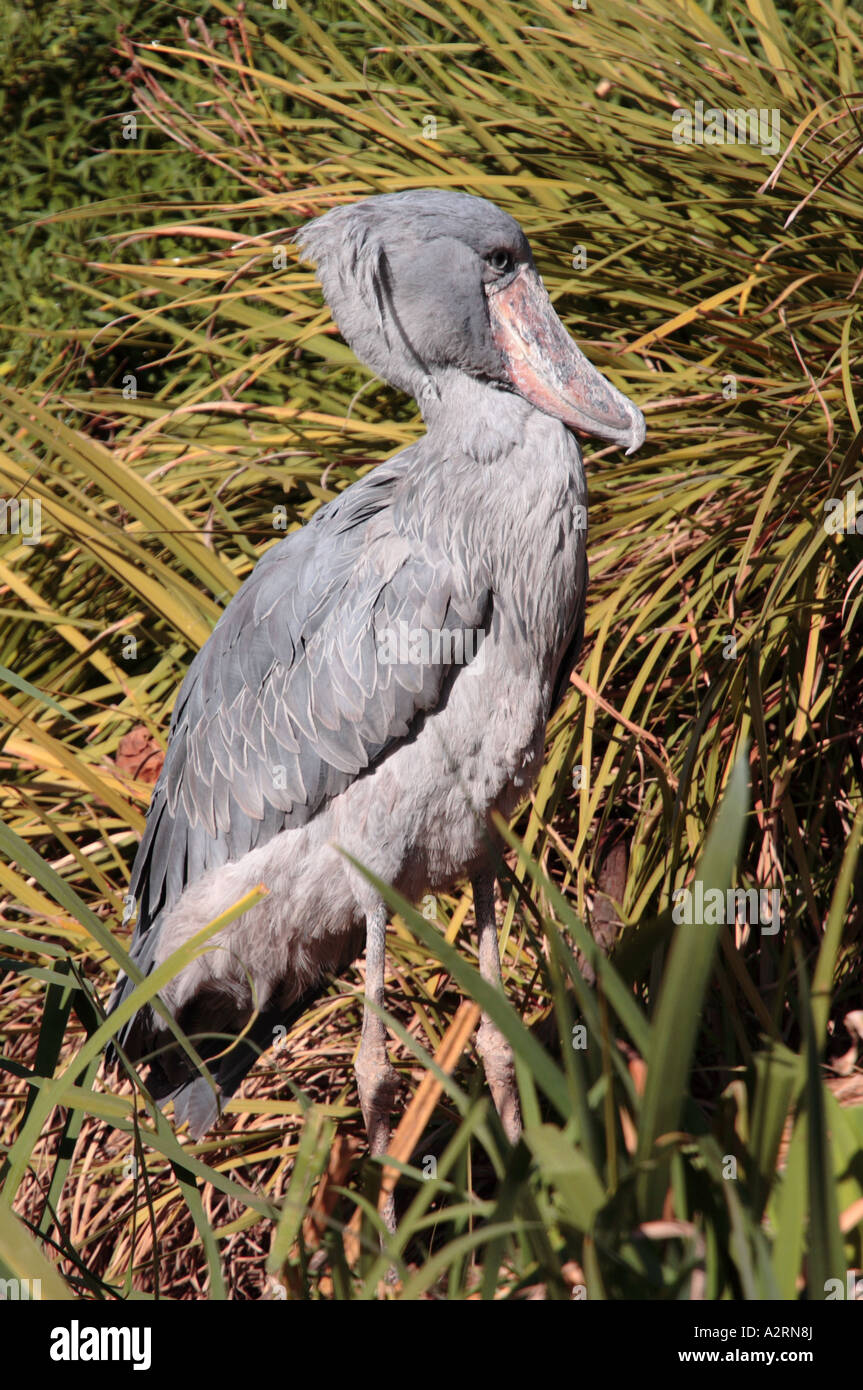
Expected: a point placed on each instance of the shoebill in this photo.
(382, 681)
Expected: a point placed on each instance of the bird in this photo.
(378, 688)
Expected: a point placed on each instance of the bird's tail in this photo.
(212, 1024)
(198, 1099)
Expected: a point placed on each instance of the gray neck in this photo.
(468, 416)
(496, 481)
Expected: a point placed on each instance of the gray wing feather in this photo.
(288, 701)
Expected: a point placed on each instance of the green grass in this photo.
(706, 1139)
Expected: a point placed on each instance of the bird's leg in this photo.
(492, 1046)
(377, 1079)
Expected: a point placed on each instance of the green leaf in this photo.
(678, 1012)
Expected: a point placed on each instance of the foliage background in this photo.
(170, 378)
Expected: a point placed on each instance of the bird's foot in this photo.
(499, 1064)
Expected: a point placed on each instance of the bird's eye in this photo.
(500, 261)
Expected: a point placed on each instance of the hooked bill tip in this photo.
(638, 431)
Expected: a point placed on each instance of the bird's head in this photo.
(430, 280)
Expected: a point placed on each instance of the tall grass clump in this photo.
(693, 1111)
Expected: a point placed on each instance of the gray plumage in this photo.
(333, 707)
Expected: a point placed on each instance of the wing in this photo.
(289, 699)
